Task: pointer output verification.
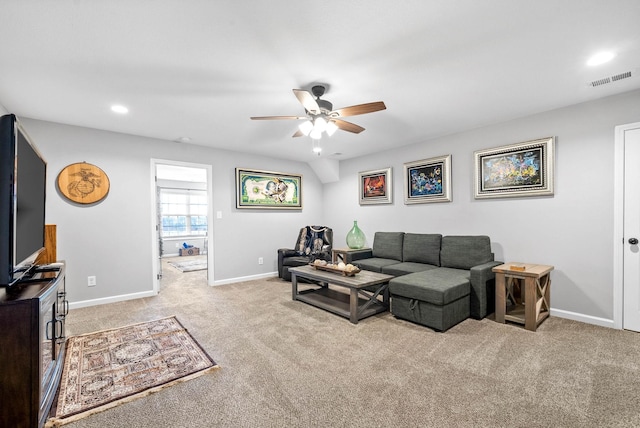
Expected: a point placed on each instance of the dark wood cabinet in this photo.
(32, 343)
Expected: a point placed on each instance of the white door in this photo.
(631, 240)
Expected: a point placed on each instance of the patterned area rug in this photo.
(107, 368)
(190, 265)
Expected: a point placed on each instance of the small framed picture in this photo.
(428, 180)
(523, 169)
(375, 186)
(268, 190)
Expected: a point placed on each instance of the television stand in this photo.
(32, 313)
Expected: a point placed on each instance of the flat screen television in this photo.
(23, 173)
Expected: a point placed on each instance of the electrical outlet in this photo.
(91, 281)
(260, 261)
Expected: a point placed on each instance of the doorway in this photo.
(626, 291)
(182, 214)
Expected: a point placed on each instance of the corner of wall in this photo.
(327, 170)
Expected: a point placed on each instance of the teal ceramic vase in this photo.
(355, 237)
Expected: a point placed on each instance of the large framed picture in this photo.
(523, 169)
(258, 189)
(375, 186)
(428, 180)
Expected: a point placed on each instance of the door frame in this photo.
(618, 224)
(155, 255)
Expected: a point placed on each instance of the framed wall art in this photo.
(428, 180)
(258, 189)
(83, 183)
(375, 187)
(523, 169)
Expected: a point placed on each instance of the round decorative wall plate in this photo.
(83, 183)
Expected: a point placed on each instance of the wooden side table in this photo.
(534, 282)
(345, 254)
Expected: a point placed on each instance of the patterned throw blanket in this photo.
(311, 241)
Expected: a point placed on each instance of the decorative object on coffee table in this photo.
(107, 368)
(355, 237)
(339, 268)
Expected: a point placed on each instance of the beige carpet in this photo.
(106, 368)
(287, 364)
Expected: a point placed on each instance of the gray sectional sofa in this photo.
(439, 280)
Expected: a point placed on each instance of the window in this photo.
(183, 212)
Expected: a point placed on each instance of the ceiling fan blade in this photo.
(360, 109)
(348, 126)
(298, 134)
(278, 117)
(307, 101)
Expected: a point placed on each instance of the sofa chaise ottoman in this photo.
(439, 280)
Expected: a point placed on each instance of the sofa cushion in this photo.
(405, 268)
(388, 245)
(465, 252)
(421, 248)
(438, 286)
(374, 264)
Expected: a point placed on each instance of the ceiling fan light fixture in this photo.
(316, 147)
(306, 127)
(331, 128)
(319, 124)
(315, 134)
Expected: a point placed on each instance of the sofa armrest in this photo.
(282, 254)
(483, 289)
(352, 257)
(287, 252)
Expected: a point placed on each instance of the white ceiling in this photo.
(200, 69)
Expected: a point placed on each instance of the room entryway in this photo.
(182, 214)
(627, 240)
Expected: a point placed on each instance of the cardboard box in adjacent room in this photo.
(193, 251)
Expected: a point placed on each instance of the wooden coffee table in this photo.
(358, 304)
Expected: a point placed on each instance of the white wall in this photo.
(113, 239)
(573, 230)
(3, 110)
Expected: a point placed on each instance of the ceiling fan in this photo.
(320, 116)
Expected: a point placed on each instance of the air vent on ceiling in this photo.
(614, 78)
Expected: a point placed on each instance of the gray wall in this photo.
(573, 230)
(113, 239)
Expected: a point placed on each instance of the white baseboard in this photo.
(245, 278)
(123, 297)
(602, 322)
(111, 299)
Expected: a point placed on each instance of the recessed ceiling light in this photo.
(119, 109)
(600, 58)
